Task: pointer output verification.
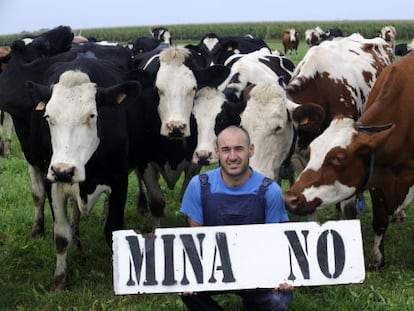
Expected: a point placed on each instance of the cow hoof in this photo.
(7, 149)
(38, 231)
(375, 267)
(59, 283)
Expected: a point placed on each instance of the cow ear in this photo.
(246, 92)
(212, 76)
(368, 142)
(118, 93)
(38, 93)
(308, 117)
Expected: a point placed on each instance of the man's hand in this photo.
(284, 287)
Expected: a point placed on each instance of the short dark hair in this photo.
(236, 127)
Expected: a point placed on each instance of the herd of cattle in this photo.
(88, 113)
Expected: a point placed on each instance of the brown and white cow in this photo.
(350, 156)
(334, 78)
(290, 40)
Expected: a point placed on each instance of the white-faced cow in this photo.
(353, 155)
(83, 103)
(335, 78)
(28, 60)
(290, 40)
(266, 118)
(216, 49)
(252, 68)
(172, 80)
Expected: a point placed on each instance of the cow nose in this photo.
(204, 157)
(63, 174)
(176, 129)
(291, 200)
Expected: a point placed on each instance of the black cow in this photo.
(217, 49)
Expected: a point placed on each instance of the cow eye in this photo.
(91, 117)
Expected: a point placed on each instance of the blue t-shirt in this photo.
(191, 206)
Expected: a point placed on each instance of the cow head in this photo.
(388, 33)
(339, 165)
(313, 36)
(207, 105)
(177, 81)
(71, 108)
(268, 122)
(253, 68)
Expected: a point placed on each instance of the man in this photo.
(235, 194)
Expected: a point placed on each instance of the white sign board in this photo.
(238, 257)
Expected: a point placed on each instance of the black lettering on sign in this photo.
(339, 253)
(193, 256)
(137, 258)
(169, 278)
(299, 253)
(226, 267)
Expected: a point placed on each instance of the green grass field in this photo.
(26, 267)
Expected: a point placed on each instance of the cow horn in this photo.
(373, 128)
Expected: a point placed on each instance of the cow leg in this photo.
(1, 132)
(9, 131)
(156, 198)
(142, 204)
(116, 209)
(62, 236)
(75, 222)
(39, 197)
(379, 223)
(347, 209)
(192, 170)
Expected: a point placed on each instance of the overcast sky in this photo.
(32, 15)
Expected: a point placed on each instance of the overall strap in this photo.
(205, 189)
(262, 190)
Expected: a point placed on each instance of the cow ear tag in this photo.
(120, 98)
(40, 106)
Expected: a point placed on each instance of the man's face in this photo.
(233, 151)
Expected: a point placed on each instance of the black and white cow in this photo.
(171, 79)
(217, 49)
(315, 36)
(85, 103)
(81, 77)
(28, 60)
(162, 33)
(214, 110)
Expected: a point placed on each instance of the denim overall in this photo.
(220, 210)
